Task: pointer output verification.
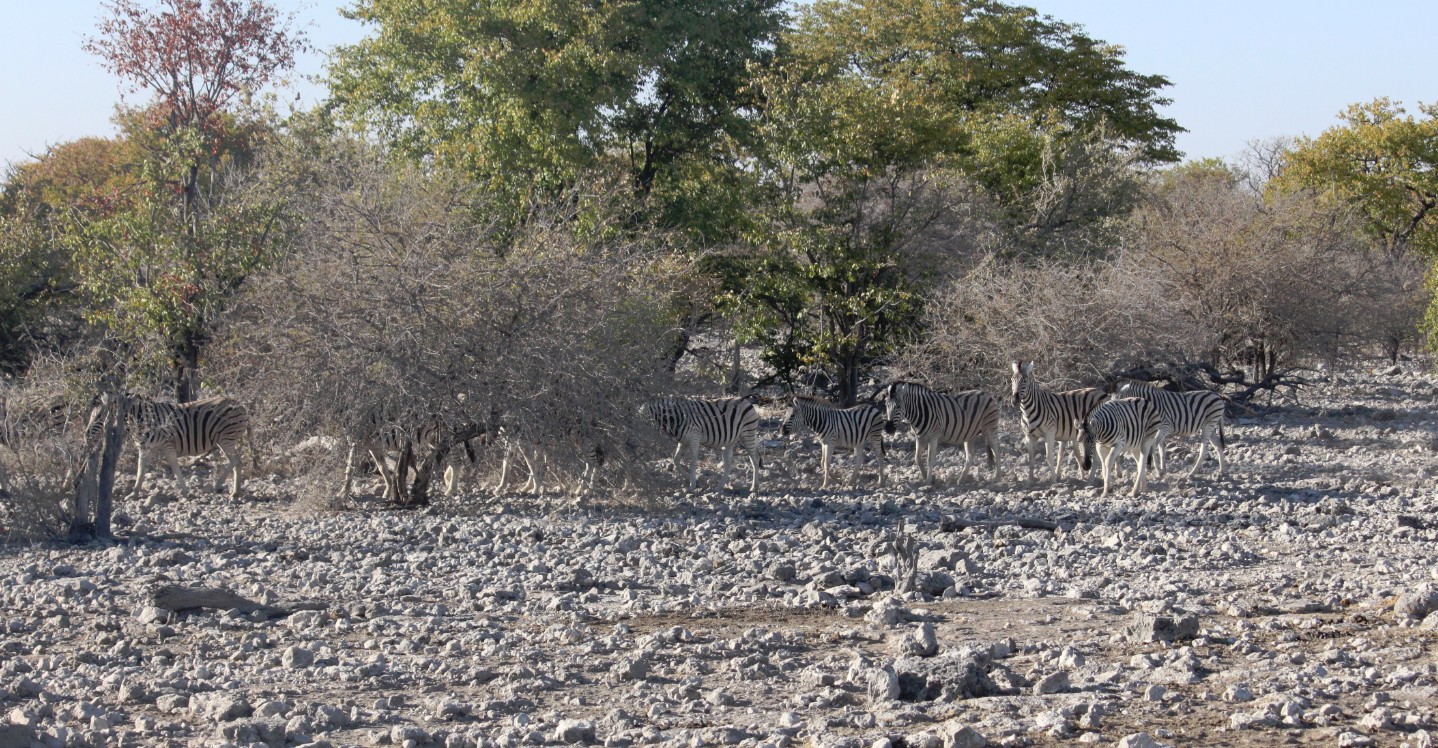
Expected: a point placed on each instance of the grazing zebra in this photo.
(175, 430)
(1199, 412)
(715, 423)
(845, 428)
(538, 465)
(393, 439)
(1126, 425)
(939, 418)
(1054, 417)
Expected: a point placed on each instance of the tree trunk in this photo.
(187, 370)
(94, 499)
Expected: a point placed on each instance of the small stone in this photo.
(962, 736)
(923, 641)
(1237, 693)
(1154, 693)
(1139, 740)
(1350, 739)
(883, 686)
(574, 731)
(151, 614)
(1163, 629)
(297, 657)
(172, 702)
(1052, 683)
(1417, 603)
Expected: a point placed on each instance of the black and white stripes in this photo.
(939, 418)
(842, 428)
(1129, 425)
(1199, 412)
(1054, 417)
(715, 423)
(172, 431)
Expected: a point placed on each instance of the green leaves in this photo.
(1381, 160)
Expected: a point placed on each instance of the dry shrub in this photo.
(1208, 272)
(1278, 281)
(42, 447)
(397, 307)
(1076, 320)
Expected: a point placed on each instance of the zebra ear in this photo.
(1016, 367)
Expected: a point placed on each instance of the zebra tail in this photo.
(990, 446)
(1221, 443)
(1086, 450)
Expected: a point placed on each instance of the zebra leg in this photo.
(728, 464)
(1106, 455)
(1029, 448)
(878, 444)
(754, 459)
(1140, 484)
(174, 460)
(140, 472)
(1053, 454)
(233, 455)
(349, 470)
(677, 450)
(381, 463)
(824, 457)
(536, 475)
(964, 471)
(858, 464)
(503, 475)
(1218, 447)
(694, 464)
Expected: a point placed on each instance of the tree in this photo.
(199, 58)
(1382, 163)
(888, 130)
(163, 257)
(525, 96)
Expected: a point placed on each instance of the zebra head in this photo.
(1022, 380)
(886, 397)
(1085, 445)
(786, 427)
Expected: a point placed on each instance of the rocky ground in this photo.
(1286, 603)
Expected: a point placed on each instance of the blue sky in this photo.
(1240, 70)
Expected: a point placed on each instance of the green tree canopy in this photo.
(527, 94)
(1382, 161)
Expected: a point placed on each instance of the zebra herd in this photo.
(1137, 419)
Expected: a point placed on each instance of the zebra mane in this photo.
(815, 400)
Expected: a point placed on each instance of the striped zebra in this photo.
(1129, 425)
(844, 428)
(174, 430)
(1054, 417)
(1195, 413)
(939, 418)
(537, 466)
(717, 423)
(393, 439)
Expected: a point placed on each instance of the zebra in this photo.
(845, 428)
(718, 423)
(939, 418)
(1054, 417)
(1198, 412)
(384, 440)
(538, 465)
(1129, 425)
(194, 429)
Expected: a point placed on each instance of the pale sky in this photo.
(1240, 70)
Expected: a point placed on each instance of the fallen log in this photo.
(174, 597)
(954, 524)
